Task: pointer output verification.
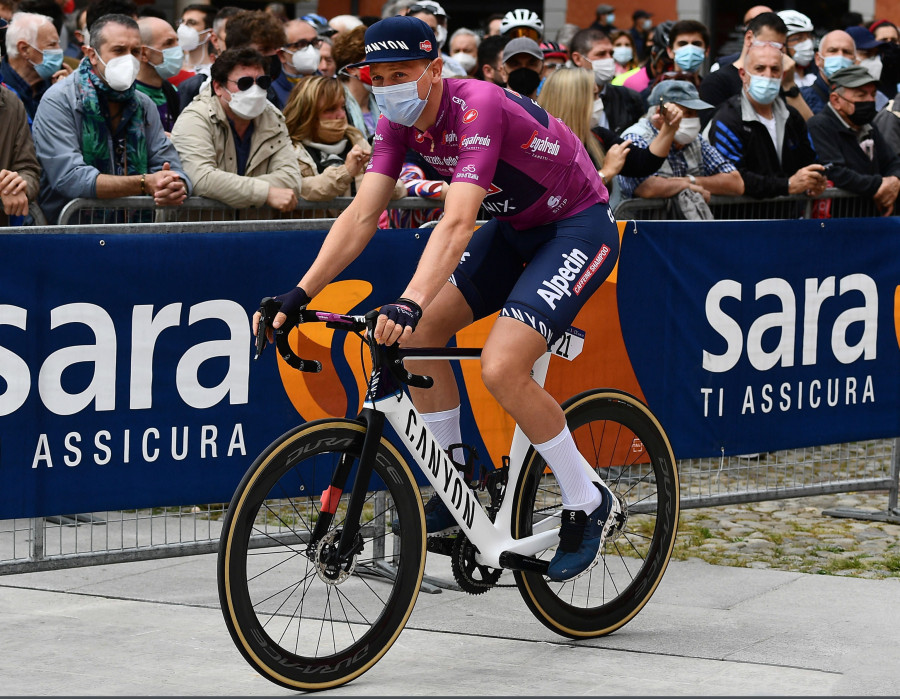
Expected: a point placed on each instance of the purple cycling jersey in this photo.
(533, 168)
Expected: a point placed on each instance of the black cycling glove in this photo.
(403, 312)
(292, 303)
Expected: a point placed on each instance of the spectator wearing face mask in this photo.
(641, 26)
(97, 137)
(605, 20)
(624, 52)
(620, 107)
(688, 46)
(692, 162)
(843, 135)
(161, 59)
(234, 142)
(464, 49)
(523, 63)
(434, 15)
(765, 138)
(194, 31)
(299, 57)
(362, 109)
(34, 59)
(868, 55)
(800, 46)
(837, 50)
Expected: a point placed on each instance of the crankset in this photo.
(472, 577)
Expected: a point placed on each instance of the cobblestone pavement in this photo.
(794, 535)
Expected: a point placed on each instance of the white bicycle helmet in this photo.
(521, 19)
(796, 21)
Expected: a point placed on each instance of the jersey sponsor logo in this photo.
(460, 101)
(476, 140)
(383, 45)
(553, 201)
(470, 116)
(493, 189)
(378, 137)
(522, 314)
(499, 207)
(447, 161)
(448, 138)
(420, 137)
(593, 267)
(558, 285)
(425, 45)
(536, 145)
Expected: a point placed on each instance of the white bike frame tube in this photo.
(490, 538)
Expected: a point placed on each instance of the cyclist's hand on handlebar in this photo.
(396, 321)
(292, 303)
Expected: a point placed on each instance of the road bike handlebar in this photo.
(382, 355)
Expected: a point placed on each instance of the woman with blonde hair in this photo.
(569, 95)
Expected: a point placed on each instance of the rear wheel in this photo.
(300, 617)
(626, 446)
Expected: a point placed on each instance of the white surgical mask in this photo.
(604, 70)
(249, 104)
(873, 65)
(401, 103)
(596, 112)
(804, 52)
(688, 130)
(189, 38)
(440, 35)
(622, 54)
(466, 60)
(120, 72)
(306, 60)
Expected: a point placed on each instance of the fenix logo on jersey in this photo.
(538, 146)
(573, 263)
(476, 140)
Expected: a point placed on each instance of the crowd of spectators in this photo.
(256, 109)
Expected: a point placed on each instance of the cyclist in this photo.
(550, 246)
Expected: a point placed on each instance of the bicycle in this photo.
(332, 505)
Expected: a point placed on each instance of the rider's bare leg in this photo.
(509, 354)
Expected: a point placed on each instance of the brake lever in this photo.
(268, 309)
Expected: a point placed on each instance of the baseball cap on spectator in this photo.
(320, 24)
(605, 9)
(640, 14)
(864, 39)
(852, 76)
(522, 44)
(400, 38)
(679, 92)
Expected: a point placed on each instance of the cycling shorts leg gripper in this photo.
(564, 272)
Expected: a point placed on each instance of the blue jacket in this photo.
(57, 139)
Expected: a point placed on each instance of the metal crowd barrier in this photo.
(834, 203)
(194, 209)
(95, 538)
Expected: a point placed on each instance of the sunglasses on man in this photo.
(246, 82)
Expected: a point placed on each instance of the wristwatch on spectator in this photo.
(692, 179)
(794, 91)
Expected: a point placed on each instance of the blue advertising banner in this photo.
(758, 336)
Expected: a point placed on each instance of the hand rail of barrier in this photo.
(735, 207)
(129, 205)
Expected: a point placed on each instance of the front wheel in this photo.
(627, 447)
(300, 616)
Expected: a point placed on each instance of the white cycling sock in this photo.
(571, 471)
(445, 427)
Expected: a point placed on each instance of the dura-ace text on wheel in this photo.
(624, 443)
(301, 617)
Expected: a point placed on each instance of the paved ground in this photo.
(155, 628)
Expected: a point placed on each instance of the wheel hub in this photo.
(329, 568)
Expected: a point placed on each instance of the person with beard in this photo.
(233, 141)
(843, 135)
(257, 30)
(523, 62)
(618, 107)
(97, 137)
(490, 67)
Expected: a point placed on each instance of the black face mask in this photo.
(863, 113)
(274, 67)
(524, 81)
(890, 71)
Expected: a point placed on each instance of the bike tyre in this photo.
(616, 414)
(279, 664)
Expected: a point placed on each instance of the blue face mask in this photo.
(172, 58)
(51, 62)
(835, 63)
(610, 18)
(689, 58)
(762, 89)
(401, 103)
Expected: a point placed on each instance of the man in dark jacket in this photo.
(764, 137)
(843, 135)
(622, 107)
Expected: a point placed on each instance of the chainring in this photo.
(473, 578)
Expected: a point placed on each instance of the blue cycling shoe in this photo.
(581, 537)
(437, 518)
